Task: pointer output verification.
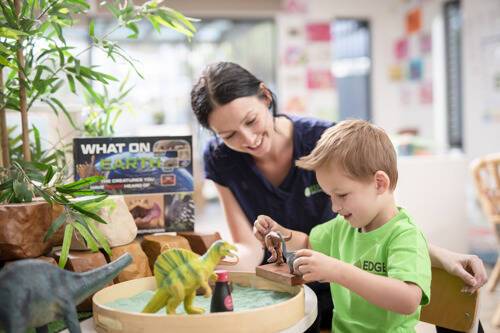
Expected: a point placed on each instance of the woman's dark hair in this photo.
(221, 83)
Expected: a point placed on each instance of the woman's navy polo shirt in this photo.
(298, 203)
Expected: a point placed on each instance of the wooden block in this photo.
(279, 273)
(449, 307)
(49, 260)
(82, 261)
(153, 245)
(139, 267)
(200, 242)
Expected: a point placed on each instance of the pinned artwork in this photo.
(295, 6)
(396, 72)
(426, 93)
(318, 32)
(295, 56)
(414, 21)
(401, 49)
(416, 69)
(319, 79)
(405, 96)
(425, 43)
(295, 104)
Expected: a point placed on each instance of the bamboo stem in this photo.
(4, 135)
(22, 92)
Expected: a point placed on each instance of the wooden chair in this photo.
(449, 307)
(486, 174)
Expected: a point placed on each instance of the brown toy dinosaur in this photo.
(273, 242)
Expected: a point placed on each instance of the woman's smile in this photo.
(257, 144)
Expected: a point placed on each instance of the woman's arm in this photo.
(467, 267)
(250, 251)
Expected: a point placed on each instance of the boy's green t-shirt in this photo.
(397, 250)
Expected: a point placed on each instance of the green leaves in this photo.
(105, 110)
(172, 19)
(11, 33)
(50, 65)
(25, 179)
(58, 223)
(68, 234)
(22, 193)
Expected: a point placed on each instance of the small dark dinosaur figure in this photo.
(275, 243)
(274, 246)
(34, 293)
(289, 256)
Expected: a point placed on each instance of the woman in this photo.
(251, 161)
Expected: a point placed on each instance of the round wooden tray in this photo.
(271, 318)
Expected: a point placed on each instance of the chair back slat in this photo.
(486, 174)
(449, 307)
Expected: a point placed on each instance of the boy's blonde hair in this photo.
(359, 147)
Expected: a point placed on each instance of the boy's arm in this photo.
(388, 293)
(385, 292)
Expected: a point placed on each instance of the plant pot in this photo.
(22, 229)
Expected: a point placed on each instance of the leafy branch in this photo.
(24, 180)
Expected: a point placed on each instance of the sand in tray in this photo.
(244, 298)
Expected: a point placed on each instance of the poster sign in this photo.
(161, 212)
(132, 165)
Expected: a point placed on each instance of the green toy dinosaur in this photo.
(180, 272)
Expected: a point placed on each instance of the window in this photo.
(453, 45)
(351, 67)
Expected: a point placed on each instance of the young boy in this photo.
(372, 253)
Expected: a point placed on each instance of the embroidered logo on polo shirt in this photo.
(313, 189)
(375, 267)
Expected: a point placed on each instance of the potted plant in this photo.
(35, 63)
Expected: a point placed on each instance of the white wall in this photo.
(481, 21)
(387, 18)
(384, 26)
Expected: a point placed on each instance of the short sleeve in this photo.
(320, 237)
(408, 260)
(210, 161)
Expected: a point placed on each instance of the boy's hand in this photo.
(262, 226)
(314, 266)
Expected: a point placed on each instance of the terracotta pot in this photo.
(22, 229)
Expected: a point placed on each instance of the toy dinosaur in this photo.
(289, 256)
(34, 293)
(180, 272)
(280, 250)
(273, 244)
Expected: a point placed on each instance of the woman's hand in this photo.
(314, 266)
(467, 267)
(263, 225)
